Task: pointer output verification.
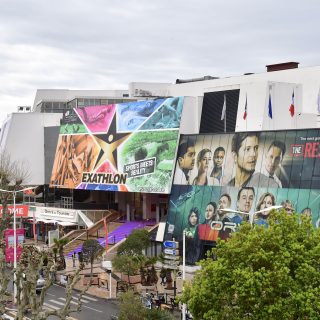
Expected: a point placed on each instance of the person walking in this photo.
(74, 260)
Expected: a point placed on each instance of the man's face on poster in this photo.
(245, 201)
(188, 160)
(224, 203)
(273, 159)
(218, 159)
(248, 154)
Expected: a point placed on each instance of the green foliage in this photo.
(131, 308)
(126, 264)
(91, 250)
(130, 257)
(261, 273)
(137, 241)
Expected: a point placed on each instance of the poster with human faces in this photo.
(266, 159)
(237, 177)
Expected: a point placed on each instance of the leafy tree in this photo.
(130, 257)
(261, 273)
(128, 265)
(131, 308)
(91, 250)
(135, 243)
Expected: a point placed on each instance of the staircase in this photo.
(115, 236)
(76, 237)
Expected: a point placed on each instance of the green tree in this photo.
(131, 308)
(135, 243)
(91, 250)
(130, 254)
(127, 265)
(261, 273)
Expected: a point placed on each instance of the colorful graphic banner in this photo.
(9, 239)
(224, 179)
(121, 147)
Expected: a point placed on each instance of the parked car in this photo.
(40, 284)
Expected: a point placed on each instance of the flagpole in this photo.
(225, 121)
(246, 112)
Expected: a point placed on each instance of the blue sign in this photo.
(171, 251)
(171, 244)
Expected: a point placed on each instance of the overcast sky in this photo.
(104, 44)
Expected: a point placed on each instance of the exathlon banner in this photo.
(224, 179)
(120, 147)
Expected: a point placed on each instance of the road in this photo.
(92, 307)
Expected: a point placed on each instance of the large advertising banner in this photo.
(9, 239)
(121, 147)
(245, 173)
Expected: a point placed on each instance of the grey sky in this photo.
(103, 44)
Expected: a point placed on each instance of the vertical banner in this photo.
(9, 239)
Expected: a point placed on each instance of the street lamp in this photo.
(14, 193)
(184, 271)
(251, 214)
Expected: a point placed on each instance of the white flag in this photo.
(224, 108)
(318, 102)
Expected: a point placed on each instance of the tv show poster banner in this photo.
(246, 173)
(128, 147)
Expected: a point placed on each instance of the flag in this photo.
(291, 109)
(270, 106)
(224, 108)
(245, 110)
(318, 102)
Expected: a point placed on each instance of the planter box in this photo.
(94, 280)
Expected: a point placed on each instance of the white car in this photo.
(40, 284)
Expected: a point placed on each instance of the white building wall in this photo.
(24, 142)
(148, 89)
(67, 95)
(305, 81)
(191, 115)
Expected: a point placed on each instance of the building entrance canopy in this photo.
(60, 216)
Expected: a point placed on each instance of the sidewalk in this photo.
(103, 291)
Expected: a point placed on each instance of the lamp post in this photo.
(184, 271)
(251, 214)
(14, 194)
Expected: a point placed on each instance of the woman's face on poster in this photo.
(205, 162)
(266, 203)
(209, 212)
(193, 219)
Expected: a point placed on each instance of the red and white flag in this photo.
(291, 109)
(245, 110)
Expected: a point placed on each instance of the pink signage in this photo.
(9, 238)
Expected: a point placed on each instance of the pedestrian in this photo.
(80, 256)
(163, 273)
(74, 260)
